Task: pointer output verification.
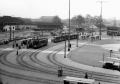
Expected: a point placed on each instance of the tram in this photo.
(75, 80)
(35, 43)
(61, 38)
(113, 31)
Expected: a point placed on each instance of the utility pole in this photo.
(115, 23)
(101, 2)
(100, 32)
(69, 45)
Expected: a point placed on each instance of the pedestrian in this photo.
(86, 75)
(70, 45)
(16, 44)
(19, 47)
(17, 52)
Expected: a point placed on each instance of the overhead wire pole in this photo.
(69, 45)
(101, 20)
(100, 33)
(101, 11)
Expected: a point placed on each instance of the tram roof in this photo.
(82, 80)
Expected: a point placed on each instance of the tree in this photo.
(77, 20)
(57, 20)
(89, 20)
(98, 21)
(8, 20)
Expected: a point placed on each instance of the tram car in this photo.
(35, 43)
(25, 41)
(75, 80)
(95, 37)
(85, 37)
(61, 38)
(113, 31)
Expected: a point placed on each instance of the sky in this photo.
(37, 8)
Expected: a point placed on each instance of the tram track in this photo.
(21, 76)
(44, 67)
(48, 66)
(23, 65)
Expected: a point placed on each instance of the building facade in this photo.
(8, 27)
(18, 27)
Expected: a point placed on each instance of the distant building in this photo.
(18, 27)
(49, 23)
(8, 27)
(24, 27)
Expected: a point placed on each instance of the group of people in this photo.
(17, 46)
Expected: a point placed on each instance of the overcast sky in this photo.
(38, 8)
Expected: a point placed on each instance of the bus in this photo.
(75, 80)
